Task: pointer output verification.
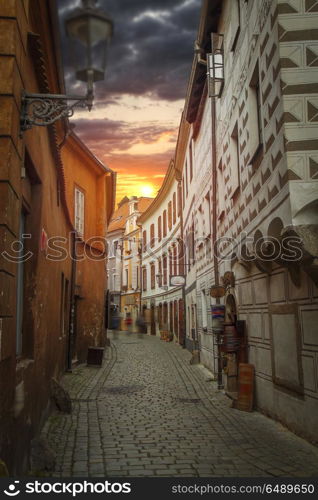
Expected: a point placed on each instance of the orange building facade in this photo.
(90, 195)
(40, 282)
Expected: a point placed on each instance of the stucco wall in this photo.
(25, 381)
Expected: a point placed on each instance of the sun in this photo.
(147, 190)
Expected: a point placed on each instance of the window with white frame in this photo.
(204, 310)
(79, 211)
(126, 277)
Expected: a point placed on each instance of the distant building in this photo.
(162, 258)
(123, 265)
(115, 235)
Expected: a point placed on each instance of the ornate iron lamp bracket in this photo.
(44, 109)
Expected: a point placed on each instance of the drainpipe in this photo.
(140, 248)
(71, 335)
(184, 322)
(214, 229)
(140, 278)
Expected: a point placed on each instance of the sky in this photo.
(134, 123)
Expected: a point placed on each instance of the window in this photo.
(159, 228)
(191, 160)
(144, 279)
(126, 278)
(160, 315)
(179, 199)
(137, 277)
(144, 240)
(170, 262)
(134, 270)
(255, 114)
(152, 235)
(153, 275)
(186, 177)
(174, 208)
(115, 247)
(164, 265)
(170, 215)
(175, 260)
(191, 245)
(182, 267)
(235, 162)
(79, 211)
(160, 272)
(204, 310)
(164, 223)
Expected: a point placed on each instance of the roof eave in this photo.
(210, 13)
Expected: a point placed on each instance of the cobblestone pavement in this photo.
(148, 412)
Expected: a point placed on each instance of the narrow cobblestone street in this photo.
(148, 412)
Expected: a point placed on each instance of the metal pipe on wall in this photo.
(214, 229)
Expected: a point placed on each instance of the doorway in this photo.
(171, 317)
(181, 332)
(175, 317)
(152, 320)
(230, 309)
(231, 346)
(165, 317)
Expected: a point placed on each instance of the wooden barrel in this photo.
(231, 342)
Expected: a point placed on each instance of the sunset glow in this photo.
(133, 125)
(139, 151)
(147, 190)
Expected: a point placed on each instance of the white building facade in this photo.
(256, 143)
(162, 259)
(114, 238)
(123, 263)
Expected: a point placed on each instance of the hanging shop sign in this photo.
(218, 314)
(217, 291)
(178, 280)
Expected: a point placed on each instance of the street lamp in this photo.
(89, 30)
(216, 66)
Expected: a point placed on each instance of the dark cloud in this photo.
(117, 135)
(150, 55)
(152, 48)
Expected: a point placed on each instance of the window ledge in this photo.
(24, 363)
